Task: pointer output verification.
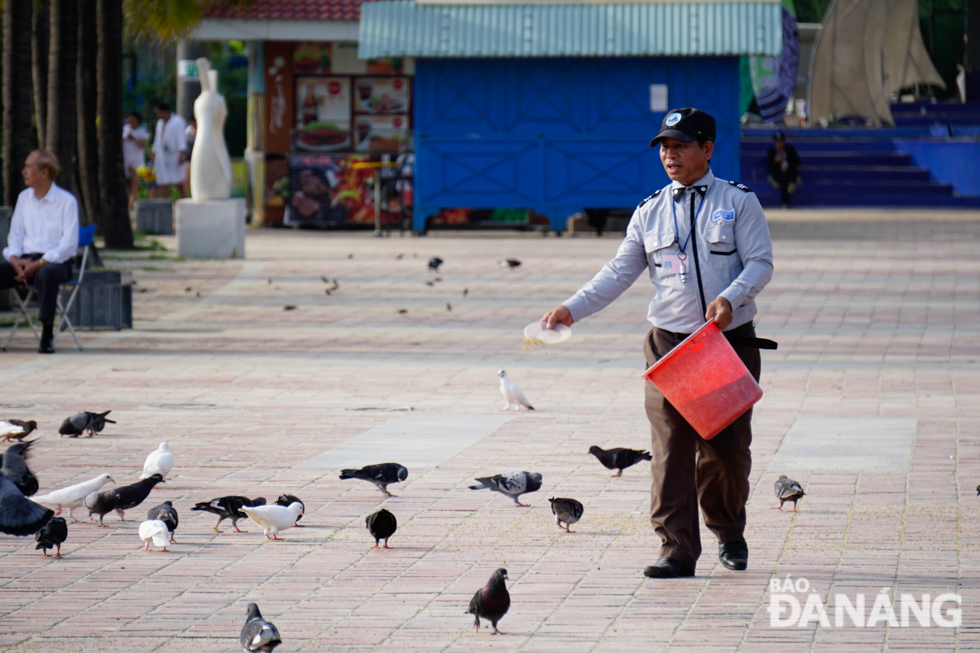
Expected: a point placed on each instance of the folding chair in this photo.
(85, 237)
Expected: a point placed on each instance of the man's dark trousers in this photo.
(47, 282)
(688, 470)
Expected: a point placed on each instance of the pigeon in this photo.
(619, 458)
(491, 602)
(512, 484)
(429, 283)
(16, 429)
(978, 490)
(788, 490)
(155, 530)
(159, 462)
(229, 508)
(511, 263)
(73, 496)
(257, 633)
(381, 475)
(52, 535)
(566, 510)
(449, 306)
(18, 514)
(274, 518)
(101, 504)
(382, 525)
(166, 513)
(512, 394)
(130, 496)
(287, 500)
(466, 291)
(434, 263)
(80, 423)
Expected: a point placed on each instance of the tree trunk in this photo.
(112, 178)
(40, 44)
(86, 92)
(16, 96)
(62, 69)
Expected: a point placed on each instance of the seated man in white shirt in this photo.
(43, 239)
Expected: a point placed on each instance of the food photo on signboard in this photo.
(323, 114)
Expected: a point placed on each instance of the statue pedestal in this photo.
(211, 228)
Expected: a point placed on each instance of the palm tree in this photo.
(16, 95)
(59, 135)
(86, 93)
(40, 45)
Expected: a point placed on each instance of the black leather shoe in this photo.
(46, 347)
(734, 555)
(668, 568)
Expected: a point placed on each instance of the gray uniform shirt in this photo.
(734, 254)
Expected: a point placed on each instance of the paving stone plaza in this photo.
(872, 402)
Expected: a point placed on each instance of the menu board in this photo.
(311, 58)
(323, 114)
(378, 134)
(376, 95)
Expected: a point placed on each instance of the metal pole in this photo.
(377, 202)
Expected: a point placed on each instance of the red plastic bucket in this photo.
(706, 381)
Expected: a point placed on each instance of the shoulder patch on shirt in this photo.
(741, 187)
(648, 199)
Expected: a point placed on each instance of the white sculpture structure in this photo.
(210, 164)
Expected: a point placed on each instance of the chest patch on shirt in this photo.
(741, 187)
(723, 215)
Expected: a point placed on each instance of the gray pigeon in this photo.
(257, 633)
(166, 513)
(788, 490)
(492, 602)
(18, 514)
(79, 423)
(101, 504)
(566, 510)
(512, 484)
(14, 463)
(381, 475)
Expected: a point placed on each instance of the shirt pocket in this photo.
(722, 252)
(656, 245)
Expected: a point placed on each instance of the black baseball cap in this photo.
(686, 125)
(778, 135)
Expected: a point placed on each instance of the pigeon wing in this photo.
(511, 482)
(18, 514)
(515, 393)
(15, 469)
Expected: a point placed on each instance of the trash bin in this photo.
(104, 301)
(155, 217)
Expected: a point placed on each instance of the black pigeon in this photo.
(289, 499)
(166, 513)
(566, 510)
(492, 602)
(257, 633)
(382, 525)
(26, 427)
(52, 535)
(512, 484)
(229, 508)
(511, 263)
(381, 475)
(130, 496)
(101, 504)
(619, 458)
(978, 490)
(788, 490)
(18, 514)
(84, 422)
(434, 263)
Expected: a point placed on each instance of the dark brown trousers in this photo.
(688, 470)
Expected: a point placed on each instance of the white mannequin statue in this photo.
(210, 163)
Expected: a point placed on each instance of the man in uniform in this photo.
(707, 246)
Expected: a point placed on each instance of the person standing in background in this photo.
(134, 140)
(169, 150)
(190, 135)
(784, 167)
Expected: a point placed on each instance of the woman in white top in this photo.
(169, 150)
(134, 140)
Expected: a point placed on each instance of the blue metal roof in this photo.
(406, 29)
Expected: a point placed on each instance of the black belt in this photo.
(736, 339)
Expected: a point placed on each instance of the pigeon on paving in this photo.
(229, 508)
(512, 484)
(16, 429)
(166, 513)
(274, 518)
(978, 490)
(289, 499)
(511, 263)
(434, 263)
(257, 633)
(159, 462)
(18, 514)
(512, 394)
(788, 490)
(566, 510)
(619, 458)
(381, 475)
(72, 496)
(492, 602)
(52, 535)
(381, 525)
(130, 496)
(80, 423)
(101, 504)
(156, 531)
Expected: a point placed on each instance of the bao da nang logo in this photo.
(673, 119)
(794, 604)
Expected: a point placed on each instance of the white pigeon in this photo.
(73, 496)
(156, 531)
(274, 518)
(159, 462)
(512, 394)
